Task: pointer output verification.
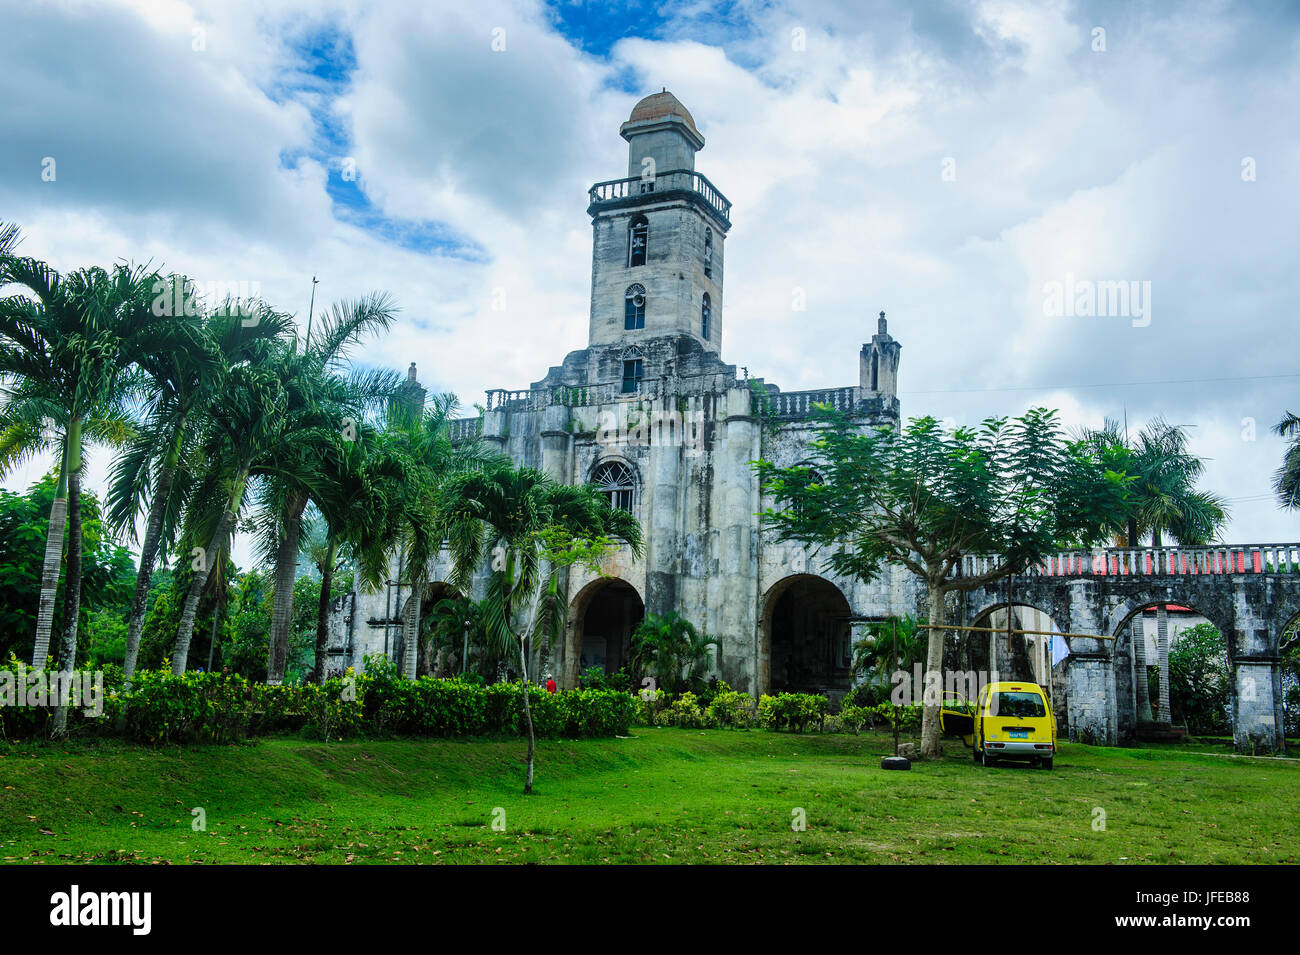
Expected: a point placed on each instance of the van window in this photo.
(1018, 705)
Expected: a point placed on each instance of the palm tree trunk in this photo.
(71, 603)
(1162, 637)
(52, 566)
(411, 631)
(1141, 684)
(286, 570)
(323, 609)
(143, 579)
(528, 720)
(190, 609)
(933, 664)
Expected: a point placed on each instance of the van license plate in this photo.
(1021, 735)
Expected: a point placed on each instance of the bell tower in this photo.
(657, 237)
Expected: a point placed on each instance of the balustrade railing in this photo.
(676, 179)
(1152, 561)
(463, 429)
(799, 404)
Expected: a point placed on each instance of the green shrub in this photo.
(792, 711)
(731, 708)
(685, 712)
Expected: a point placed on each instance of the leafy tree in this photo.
(1162, 499)
(445, 632)
(1200, 688)
(669, 648)
(1014, 490)
(431, 463)
(529, 526)
(240, 432)
(106, 567)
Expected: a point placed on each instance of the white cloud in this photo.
(1123, 164)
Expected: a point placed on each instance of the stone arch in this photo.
(806, 643)
(1289, 615)
(1039, 649)
(602, 616)
(1120, 623)
(1119, 618)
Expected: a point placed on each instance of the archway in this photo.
(429, 659)
(1136, 626)
(1028, 656)
(1288, 678)
(415, 660)
(603, 616)
(807, 637)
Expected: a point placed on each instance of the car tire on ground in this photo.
(1046, 762)
(895, 762)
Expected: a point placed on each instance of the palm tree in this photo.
(66, 349)
(423, 438)
(1287, 480)
(456, 626)
(669, 648)
(892, 644)
(319, 399)
(237, 433)
(361, 507)
(530, 526)
(1163, 499)
(185, 371)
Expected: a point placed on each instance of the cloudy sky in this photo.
(951, 163)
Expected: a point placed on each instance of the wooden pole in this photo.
(1044, 633)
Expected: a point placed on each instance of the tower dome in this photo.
(660, 107)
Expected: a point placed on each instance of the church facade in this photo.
(651, 413)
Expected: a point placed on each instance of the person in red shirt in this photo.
(550, 685)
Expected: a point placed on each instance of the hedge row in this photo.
(214, 708)
(217, 708)
(793, 712)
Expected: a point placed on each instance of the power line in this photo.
(1105, 384)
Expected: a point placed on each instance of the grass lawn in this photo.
(666, 795)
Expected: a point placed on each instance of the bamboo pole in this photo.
(1041, 633)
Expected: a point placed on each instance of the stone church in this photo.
(651, 413)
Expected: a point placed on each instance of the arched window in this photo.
(614, 479)
(708, 255)
(806, 477)
(634, 307)
(638, 240)
(706, 315)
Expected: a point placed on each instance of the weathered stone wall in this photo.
(1251, 610)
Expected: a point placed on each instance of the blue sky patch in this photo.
(321, 63)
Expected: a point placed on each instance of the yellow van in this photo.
(1014, 721)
